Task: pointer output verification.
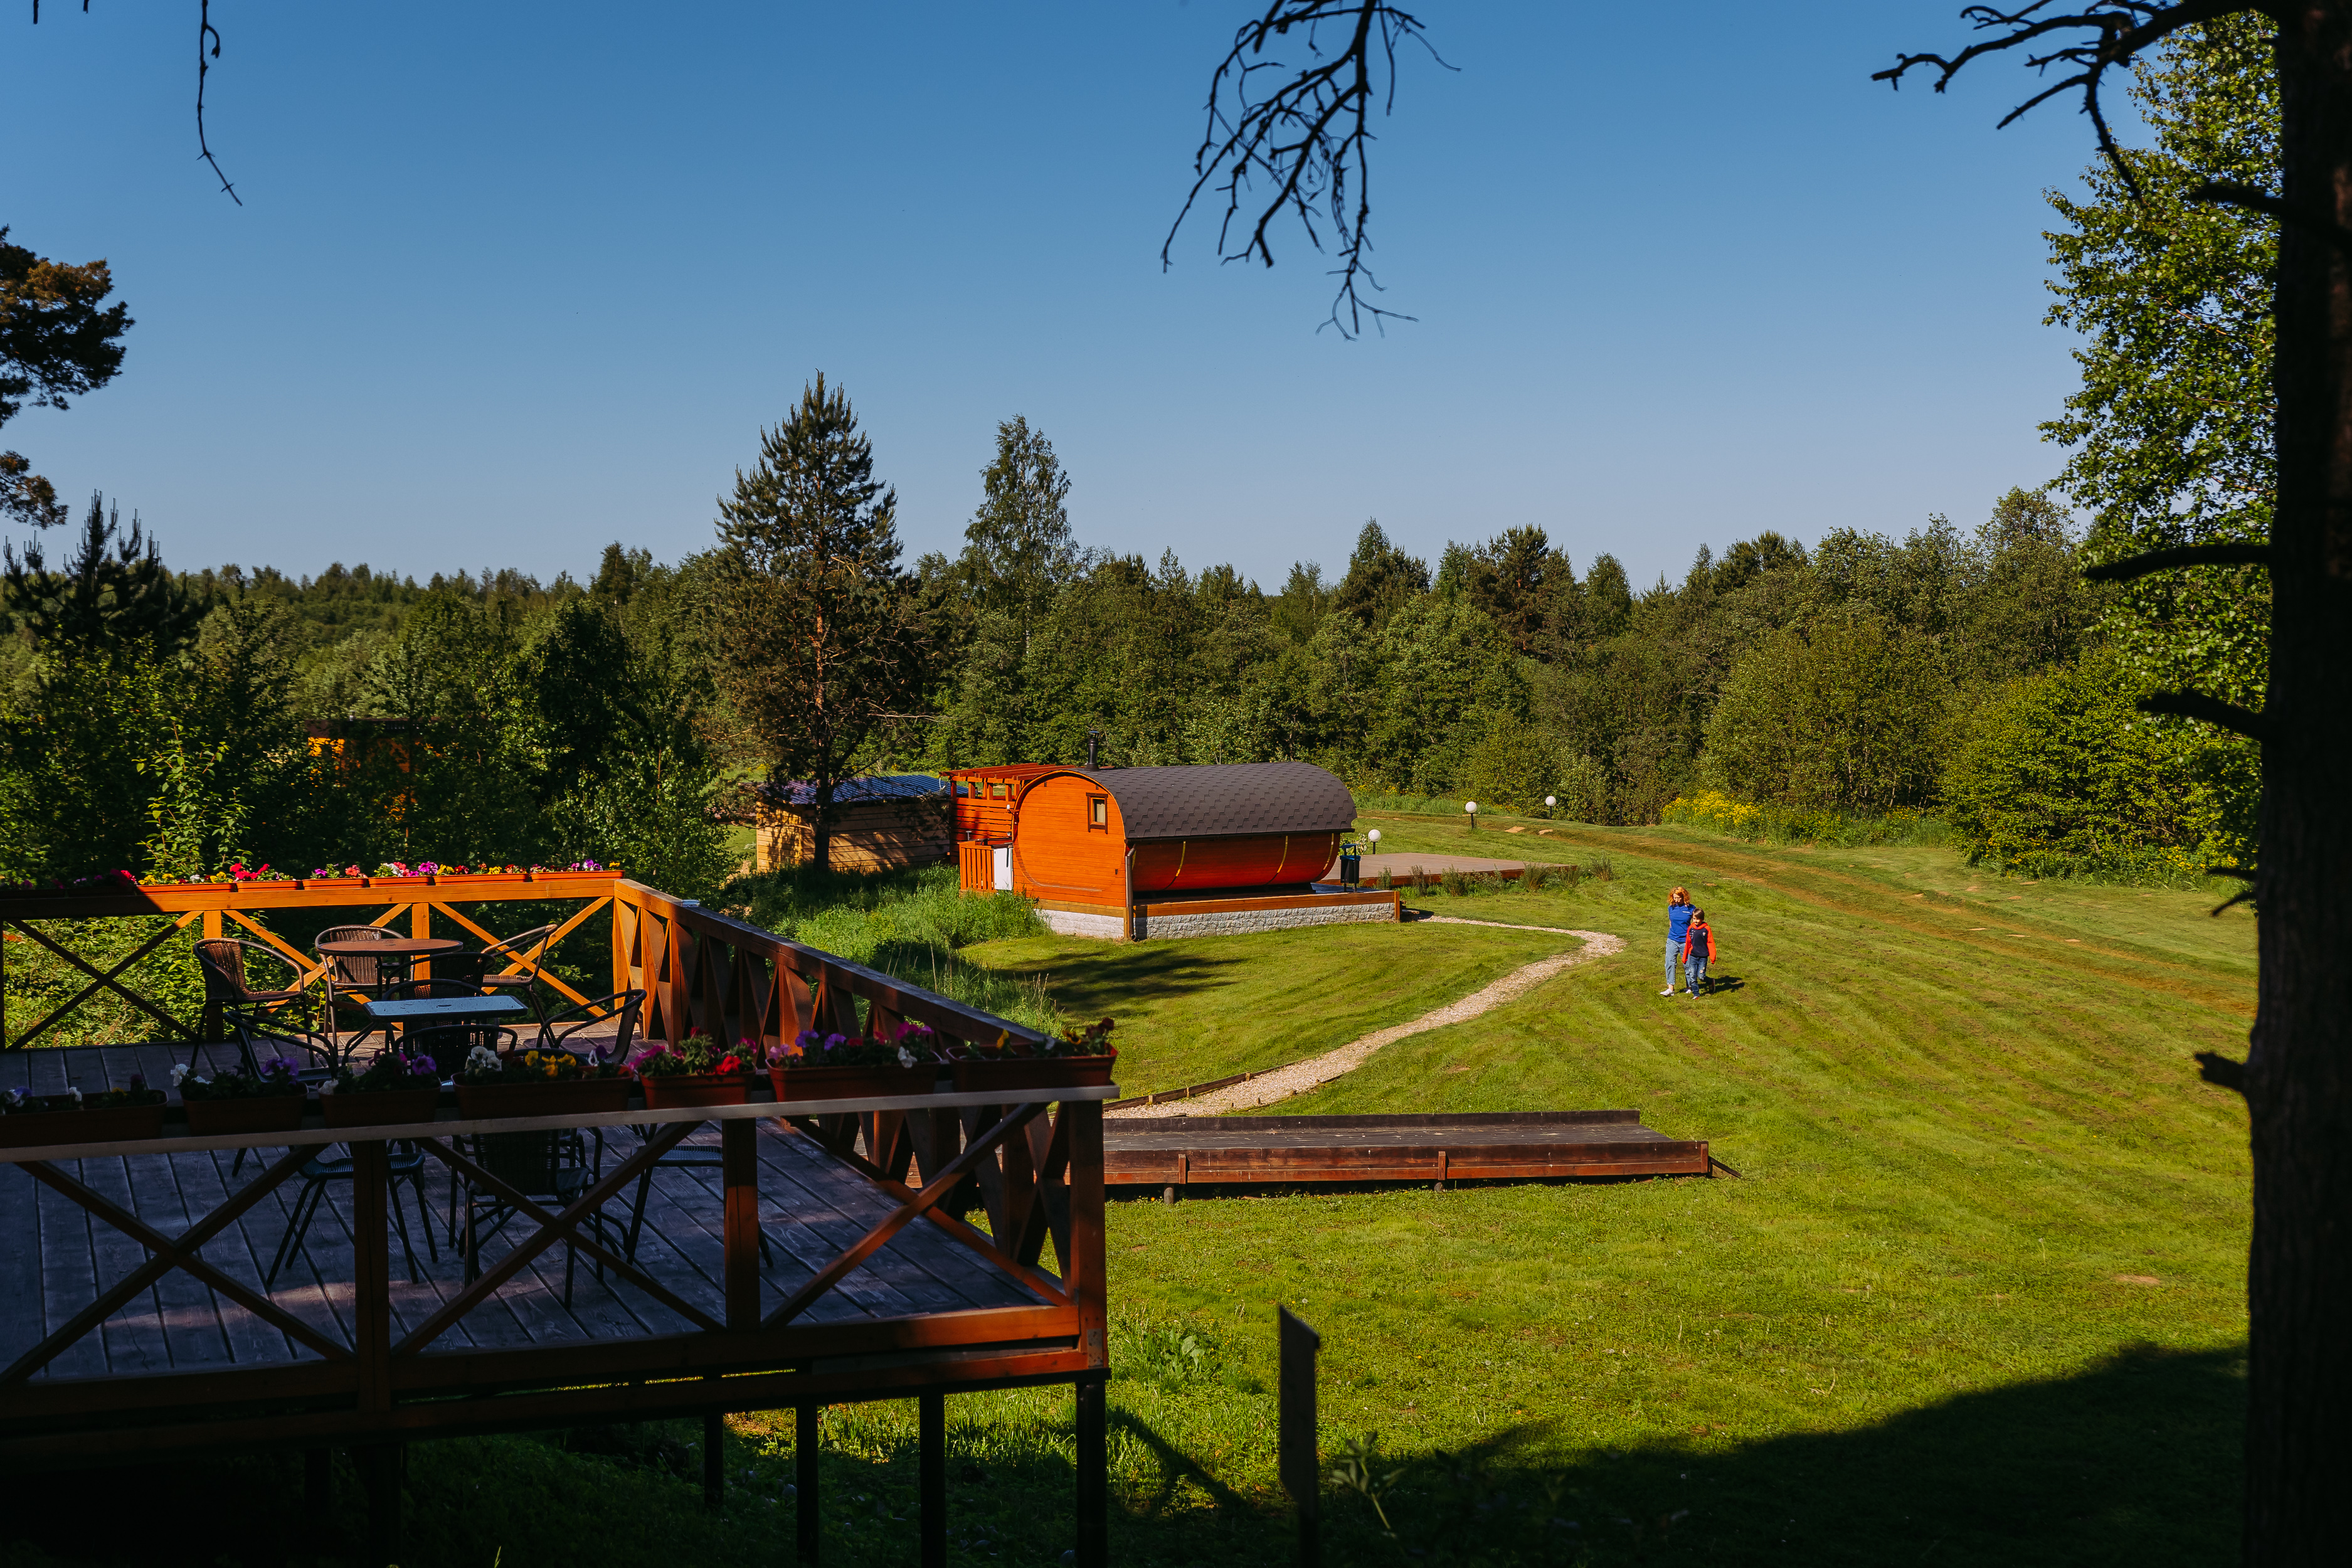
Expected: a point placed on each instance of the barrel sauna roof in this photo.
(1226, 800)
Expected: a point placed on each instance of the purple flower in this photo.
(422, 1066)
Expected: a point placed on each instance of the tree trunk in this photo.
(820, 829)
(2298, 1078)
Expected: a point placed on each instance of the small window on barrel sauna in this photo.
(996, 791)
(1098, 813)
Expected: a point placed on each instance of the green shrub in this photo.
(2061, 774)
(1720, 812)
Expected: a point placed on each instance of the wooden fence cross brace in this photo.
(106, 979)
(171, 1252)
(935, 1187)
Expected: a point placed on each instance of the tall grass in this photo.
(908, 924)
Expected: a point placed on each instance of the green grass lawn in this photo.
(1978, 1299)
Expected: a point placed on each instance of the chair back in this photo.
(519, 949)
(465, 968)
(536, 1164)
(620, 1009)
(222, 962)
(345, 970)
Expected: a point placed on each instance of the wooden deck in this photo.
(1285, 1151)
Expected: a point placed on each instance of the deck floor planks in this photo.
(813, 1206)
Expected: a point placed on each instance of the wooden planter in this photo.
(853, 1083)
(115, 1124)
(251, 1113)
(332, 884)
(478, 880)
(384, 1108)
(575, 876)
(399, 882)
(1020, 1074)
(684, 1092)
(581, 1096)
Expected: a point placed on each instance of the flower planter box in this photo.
(115, 1124)
(575, 876)
(854, 1082)
(488, 1101)
(477, 878)
(187, 887)
(396, 882)
(684, 1092)
(1018, 1074)
(251, 1113)
(384, 1108)
(330, 884)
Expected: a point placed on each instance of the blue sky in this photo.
(512, 282)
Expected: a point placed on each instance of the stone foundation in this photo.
(1165, 922)
(1069, 922)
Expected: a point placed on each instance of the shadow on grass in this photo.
(1093, 986)
(2133, 1462)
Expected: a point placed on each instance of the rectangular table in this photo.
(428, 1012)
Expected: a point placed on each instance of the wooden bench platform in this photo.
(1265, 1150)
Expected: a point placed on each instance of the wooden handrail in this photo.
(686, 987)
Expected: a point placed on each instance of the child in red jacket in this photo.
(1698, 952)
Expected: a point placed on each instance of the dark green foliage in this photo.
(2171, 430)
(112, 596)
(1018, 551)
(58, 339)
(2060, 770)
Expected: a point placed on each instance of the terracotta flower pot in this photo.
(384, 1108)
(580, 1097)
(853, 1082)
(253, 1113)
(683, 1091)
(1017, 1074)
(115, 1124)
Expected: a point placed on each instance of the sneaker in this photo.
(1668, 992)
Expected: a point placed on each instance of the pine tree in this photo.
(820, 633)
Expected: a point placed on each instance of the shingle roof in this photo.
(853, 792)
(1226, 800)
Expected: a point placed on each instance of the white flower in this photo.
(482, 1059)
(906, 1058)
(76, 1093)
(178, 1073)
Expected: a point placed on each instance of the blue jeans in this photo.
(1674, 960)
(1695, 969)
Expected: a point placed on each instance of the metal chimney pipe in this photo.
(1094, 739)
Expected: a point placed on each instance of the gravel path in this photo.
(1316, 1071)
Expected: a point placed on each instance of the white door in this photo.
(1004, 870)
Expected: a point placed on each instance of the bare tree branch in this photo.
(2208, 710)
(204, 30)
(2120, 29)
(2123, 570)
(1309, 139)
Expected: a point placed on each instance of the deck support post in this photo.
(1094, 1480)
(932, 1469)
(714, 1461)
(806, 1519)
(318, 1495)
(371, 1276)
(382, 1467)
(739, 1163)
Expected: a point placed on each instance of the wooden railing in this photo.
(702, 970)
(237, 908)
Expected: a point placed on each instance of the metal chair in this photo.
(348, 975)
(559, 1029)
(519, 949)
(404, 1162)
(221, 960)
(552, 1166)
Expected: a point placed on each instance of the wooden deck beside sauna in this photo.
(1210, 1151)
(813, 1253)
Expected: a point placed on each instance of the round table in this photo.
(398, 947)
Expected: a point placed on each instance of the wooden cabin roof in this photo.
(1226, 800)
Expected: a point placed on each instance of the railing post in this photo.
(379, 1463)
(214, 1027)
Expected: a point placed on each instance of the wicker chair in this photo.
(360, 978)
(221, 960)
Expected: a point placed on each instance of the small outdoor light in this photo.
(1374, 836)
(1550, 801)
(1471, 806)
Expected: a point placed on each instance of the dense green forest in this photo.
(176, 722)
